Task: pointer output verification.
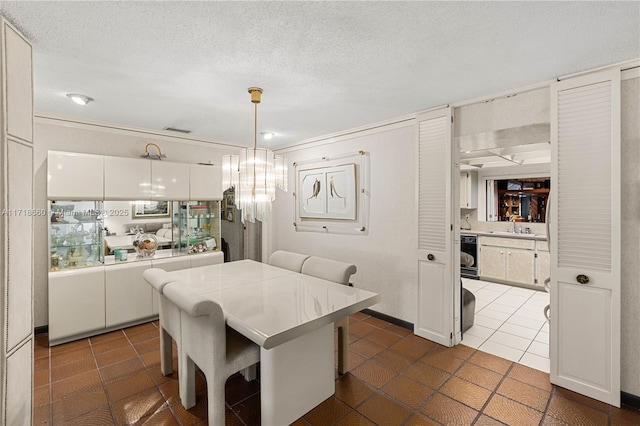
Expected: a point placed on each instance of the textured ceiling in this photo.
(324, 66)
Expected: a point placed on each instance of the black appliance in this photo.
(469, 245)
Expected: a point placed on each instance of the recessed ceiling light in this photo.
(267, 135)
(79, 99)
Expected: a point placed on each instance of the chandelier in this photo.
(255, 173)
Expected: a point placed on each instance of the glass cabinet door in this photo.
(75, 234)
(199, 226)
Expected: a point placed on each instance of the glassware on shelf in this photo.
(146, 245)
(199, 226)
(75, 234)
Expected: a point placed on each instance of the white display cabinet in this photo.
(75, 176)
(205, 182)
(198, 226)
(127, 179)
(169, 181)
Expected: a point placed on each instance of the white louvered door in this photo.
(585, 235)
(436, 198)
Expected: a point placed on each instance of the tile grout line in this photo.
(50, 383)
(104, 386)
(155, 384)
(529, 298)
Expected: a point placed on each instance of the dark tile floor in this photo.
(396, 378)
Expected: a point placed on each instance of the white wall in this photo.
(386, 256)
(61, 136)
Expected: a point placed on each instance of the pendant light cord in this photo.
(255, 126)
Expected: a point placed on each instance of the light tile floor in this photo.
(509, 322)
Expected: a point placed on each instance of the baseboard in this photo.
(43, 329)
(630, 400)
(388, 318)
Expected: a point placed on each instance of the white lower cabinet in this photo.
(543, 262)
(508, 259)
(128, 296)
(520, 266)
(92, 300)
(76, 302)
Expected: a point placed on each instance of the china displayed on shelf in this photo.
(198, 224)
(75, 234)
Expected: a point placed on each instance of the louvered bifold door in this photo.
(585, 235)
(435, 230)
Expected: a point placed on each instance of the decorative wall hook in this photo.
(147, 154)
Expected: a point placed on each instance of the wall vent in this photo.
(173, 129)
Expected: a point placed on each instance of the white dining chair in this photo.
(288, 260)
(338, 272)
(169, 315)
(207, 342)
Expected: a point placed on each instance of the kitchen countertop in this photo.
(505, 234)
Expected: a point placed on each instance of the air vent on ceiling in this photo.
(173, 129)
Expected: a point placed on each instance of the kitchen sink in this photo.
(515, 234)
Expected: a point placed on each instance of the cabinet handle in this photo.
(582, 279)
(509, 253)
(501, 252)
(431, 257)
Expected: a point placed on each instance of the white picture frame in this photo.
(328, 192)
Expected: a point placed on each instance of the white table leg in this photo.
(296, 376)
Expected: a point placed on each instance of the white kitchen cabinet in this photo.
(76, 302)
(468, 190)
(507, 259)
(205, 182)
(127, 179)
(170, 264)
(169, 181)
(520, 266)
(492, 262)
(128, 296)
(75, 176)
(543, 262)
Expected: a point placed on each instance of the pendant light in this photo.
(256, 181)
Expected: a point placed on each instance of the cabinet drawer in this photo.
(508, 242)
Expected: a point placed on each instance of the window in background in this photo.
(520, 200)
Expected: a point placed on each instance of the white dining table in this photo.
(290, 315)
